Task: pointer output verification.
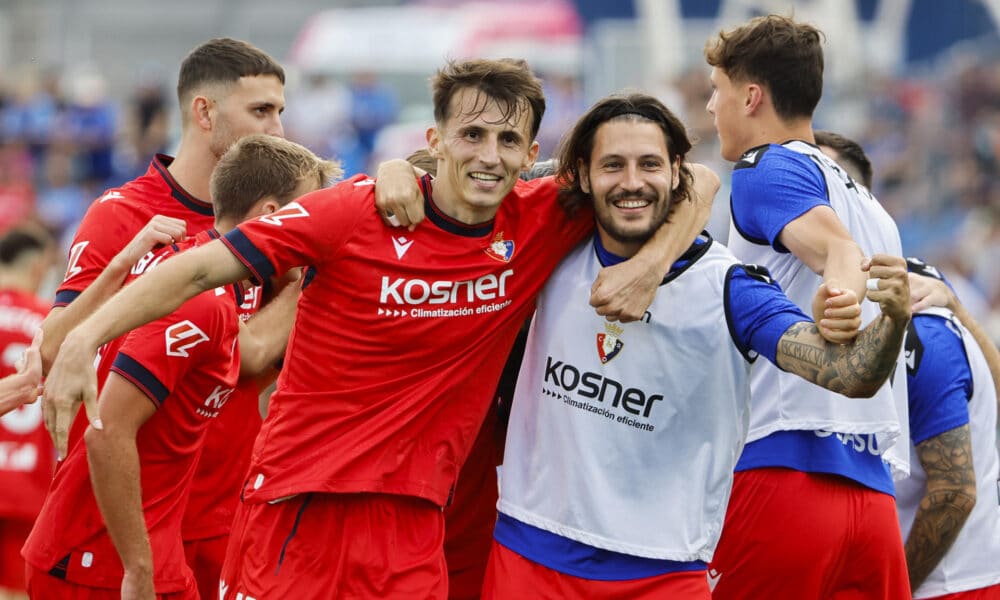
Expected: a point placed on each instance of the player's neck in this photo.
(775, 130)
(192, 170)
(20, 282)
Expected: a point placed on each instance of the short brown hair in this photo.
(259, 166)
(578, 146)
(508, 81)
(850, 152)
(778, 52)
(225, 61)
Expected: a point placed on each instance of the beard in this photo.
(624, 234)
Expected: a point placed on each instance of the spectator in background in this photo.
(17, 189)
(27, 458)
(91, 122)
(373, 106)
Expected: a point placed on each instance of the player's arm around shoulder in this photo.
(113, 458)
(860, 368)
(624, 291)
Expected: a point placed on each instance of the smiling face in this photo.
(631, 179)
(481, 150)
(251, 105)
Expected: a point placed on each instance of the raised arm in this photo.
(114, 473)
(624, 291)
(857, 369)
(820, 240)
(72, 379)
(61, 319)
(397, 195)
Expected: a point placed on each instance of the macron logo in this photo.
(292, 210)
(112, 195)
(402, 245)
(183, 336)
(713, 579)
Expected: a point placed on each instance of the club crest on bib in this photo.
(500, 249)
(608, 343)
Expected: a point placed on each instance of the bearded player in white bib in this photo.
(623, 437)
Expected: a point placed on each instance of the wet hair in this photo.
(259, 166)
(223, 61)
(783, 55)
(852, 155)
(578, 146)
(507, 81)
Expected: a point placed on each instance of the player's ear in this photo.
(675, 171)
(754, 98)
(201, 112)
(581, 168)
(531, 157)
(434, 142)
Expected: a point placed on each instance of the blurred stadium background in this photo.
(86, 91)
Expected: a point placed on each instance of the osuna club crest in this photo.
(500, 249)
(608, 343)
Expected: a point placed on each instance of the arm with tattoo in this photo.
(947, 501)
(857, 369)
(860, 368)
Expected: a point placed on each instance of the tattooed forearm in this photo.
(947, 502)
(857, 369)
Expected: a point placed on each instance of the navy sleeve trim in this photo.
(65, 298)
(139, 376)
(244, 250)
(727, 303)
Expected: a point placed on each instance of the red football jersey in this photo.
(399, 338)
(186, 364)
(113, 220)
(222, 468)
(27, 457)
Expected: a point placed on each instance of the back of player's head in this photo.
(508, 81)
(422, 159)
(262, 166)
(223, 61)
(850, 155)
(23, 242)
(783, 55)
(578, 145)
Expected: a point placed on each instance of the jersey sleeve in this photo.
(773, 189)
(157, 356)
(302, 233)
(106, 228)
(938, 377)
(757, 311)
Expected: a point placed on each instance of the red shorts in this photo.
(349, 546)
(205, 557)
(13, 532)
(790, 534)
(986, 593)
(42, 586)
(510, 576)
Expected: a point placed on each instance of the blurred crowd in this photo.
(933, 137)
